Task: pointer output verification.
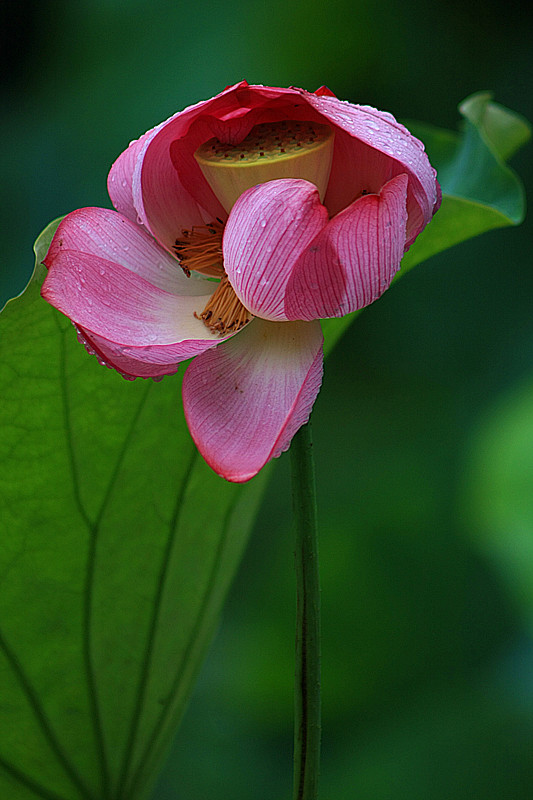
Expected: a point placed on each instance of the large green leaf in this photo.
(479, 191)
(118, 544)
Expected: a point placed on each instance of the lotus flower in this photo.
(240, 222)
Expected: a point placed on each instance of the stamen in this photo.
(200, 249)
(224, 312)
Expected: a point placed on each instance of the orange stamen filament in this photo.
(224, 312)
(200, 249)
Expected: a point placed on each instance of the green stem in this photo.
(307, 671)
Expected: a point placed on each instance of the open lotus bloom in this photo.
(240, 222)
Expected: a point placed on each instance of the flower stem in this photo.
(307, 670)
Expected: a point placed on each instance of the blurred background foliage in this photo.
(424, 427)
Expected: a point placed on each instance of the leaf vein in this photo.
(188, 651)
(93, 528)
(40, 791)
(88, 605)
(67, 422)
(42, 719)
(152, 631)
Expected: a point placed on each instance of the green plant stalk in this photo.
(307, 725)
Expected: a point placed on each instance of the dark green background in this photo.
(424, 427)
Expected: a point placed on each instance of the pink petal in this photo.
(353, 259)
(108, 299)
(324, 91)
(120, 179)
(152, 361)
(371, 147)
(245, 399)
(269, 227)
(163, 204)
(108, 235)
